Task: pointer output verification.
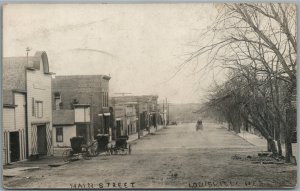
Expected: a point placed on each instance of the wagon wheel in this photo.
(66, 155)
(96, 153)
(93, 153)
(107, 152)
(116, 151)
(129, 149)
(86, 156)
(94, 150)
(111, 150)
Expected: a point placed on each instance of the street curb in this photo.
(133, 140)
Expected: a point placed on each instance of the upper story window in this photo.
(57, 101)
(105, 99)
(39, 109)
(33, 106)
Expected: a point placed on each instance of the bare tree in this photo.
(257, 44)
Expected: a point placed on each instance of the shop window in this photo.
(59, 134)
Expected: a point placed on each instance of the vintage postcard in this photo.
(149, 96)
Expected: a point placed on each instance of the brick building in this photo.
(146, 110)
(93, 90)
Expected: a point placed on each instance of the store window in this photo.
(59, 134)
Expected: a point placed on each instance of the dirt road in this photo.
(176, 157)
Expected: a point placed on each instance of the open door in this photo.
(41, 139)
(14, 143)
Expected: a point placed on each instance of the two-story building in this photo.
(146, 111)
(27, 114)
(92, 90)
(125, 120)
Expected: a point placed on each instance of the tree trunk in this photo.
(288, 145)
(279, 147)
(272, 146)
(289, 120)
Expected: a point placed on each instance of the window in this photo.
(57, 100)
(103, 94)
(39, 110)
(33, 107)
(59, 134)
(105, 99)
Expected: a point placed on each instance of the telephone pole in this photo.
(167, 112)
(164, 117)
(27, 52)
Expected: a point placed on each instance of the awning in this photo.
(118, 119)
(106, 114)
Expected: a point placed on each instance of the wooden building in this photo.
(27, 114)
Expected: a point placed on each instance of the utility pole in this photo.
(92, 119)
(167, 112)
(27, 50)
(26, 113)
(139, 117)
(164, 118)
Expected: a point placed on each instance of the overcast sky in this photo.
(139, 45)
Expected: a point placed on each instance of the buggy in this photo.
(103, 143)
(79, 149)
(199, 125)
(121, 146)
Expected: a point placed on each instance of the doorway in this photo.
(81, 130)
(41, 139)
(118, 128)
(14, 143)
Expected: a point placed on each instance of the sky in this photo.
(139, 45)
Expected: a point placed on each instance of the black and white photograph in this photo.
(149, 95)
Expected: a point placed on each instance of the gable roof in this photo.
(63, 117)
(14, 69)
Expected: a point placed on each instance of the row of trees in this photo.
(256, 44)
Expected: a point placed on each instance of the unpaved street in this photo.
(175, 157)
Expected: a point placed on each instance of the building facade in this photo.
(27, 114)
(93, 90)
(145, 108)
(71, 123)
